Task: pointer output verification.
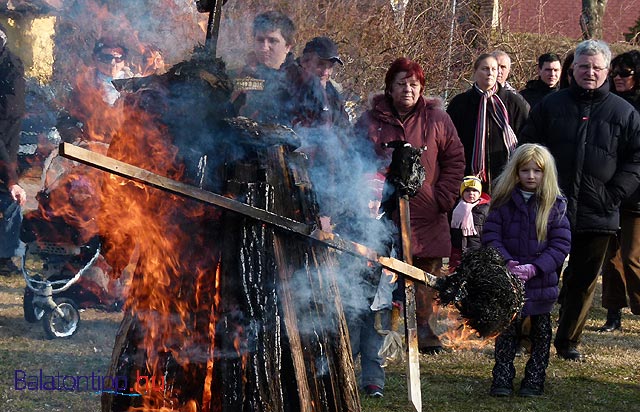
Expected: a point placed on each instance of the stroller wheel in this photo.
(32, 313)
(61, 326)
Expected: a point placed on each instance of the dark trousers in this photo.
(505, 352)
(10, 221)
(424, 303)
(621, 269)
(579, 279)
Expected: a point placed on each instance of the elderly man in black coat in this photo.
(12, 196)
(595, 137)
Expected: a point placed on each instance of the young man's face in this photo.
(271, 48)
(550, 73)
(470, 195)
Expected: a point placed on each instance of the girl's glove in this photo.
(511, 264)
(524, 272)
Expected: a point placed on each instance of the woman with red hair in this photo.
(403, 113)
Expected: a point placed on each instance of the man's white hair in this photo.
(591, 48)
(500, 53)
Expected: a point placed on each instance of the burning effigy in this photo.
(213, 318)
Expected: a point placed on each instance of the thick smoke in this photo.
(341, 167)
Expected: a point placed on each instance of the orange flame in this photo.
(173, 294)
(458, 336)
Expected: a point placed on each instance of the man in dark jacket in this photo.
(260, 93)
(595, 137)
(548, 80)
(317, 113)
(12, 196)
(315, 101)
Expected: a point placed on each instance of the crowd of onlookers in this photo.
(540, 174)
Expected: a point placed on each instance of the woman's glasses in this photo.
(622, 73)
(108, 58)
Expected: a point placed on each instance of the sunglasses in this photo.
(622, 73)
(108, 58)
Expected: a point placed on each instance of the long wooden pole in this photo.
(410, 322)
(128, 171)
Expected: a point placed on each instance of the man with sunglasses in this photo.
(620, 272)
(109, 58)
(594, 136)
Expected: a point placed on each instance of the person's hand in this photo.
(524, 272)
(18, 194)
(511, 264)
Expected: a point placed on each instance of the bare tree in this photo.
(591, 18)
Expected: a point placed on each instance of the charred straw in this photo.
(487, 296)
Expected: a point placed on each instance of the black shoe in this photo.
(430, 350)
(530, 391)
(373, 391)
(500, 391)
(7, 267)
(614, 321)
(570, 354)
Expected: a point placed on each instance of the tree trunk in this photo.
(591, 18)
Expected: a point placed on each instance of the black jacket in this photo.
(594, 136)
(535, 91)
(463, 110)
(267, 104)
(632, 205)
(12, 90)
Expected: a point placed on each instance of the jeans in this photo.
(366, 342)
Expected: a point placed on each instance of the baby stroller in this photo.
(63, 268)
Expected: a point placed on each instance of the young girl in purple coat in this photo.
(528, 225)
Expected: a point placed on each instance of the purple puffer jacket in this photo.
(511, 228)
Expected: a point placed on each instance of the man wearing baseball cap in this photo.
(316, 100)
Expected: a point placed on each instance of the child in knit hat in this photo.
(468, 218)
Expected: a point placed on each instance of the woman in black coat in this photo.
(482, 127)
(620, 272)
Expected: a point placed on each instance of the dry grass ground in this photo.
(454, 381)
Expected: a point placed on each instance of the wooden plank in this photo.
(410, 323)
(135, 173)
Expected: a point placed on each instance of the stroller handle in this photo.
(66, 283)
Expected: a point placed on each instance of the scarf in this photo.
(462, 218)
(490, 102)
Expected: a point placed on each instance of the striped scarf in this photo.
(499, 114)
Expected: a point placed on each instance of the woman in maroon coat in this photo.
(402, 113)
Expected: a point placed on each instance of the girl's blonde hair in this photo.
(546, 193)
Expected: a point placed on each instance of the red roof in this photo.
(563, 17)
